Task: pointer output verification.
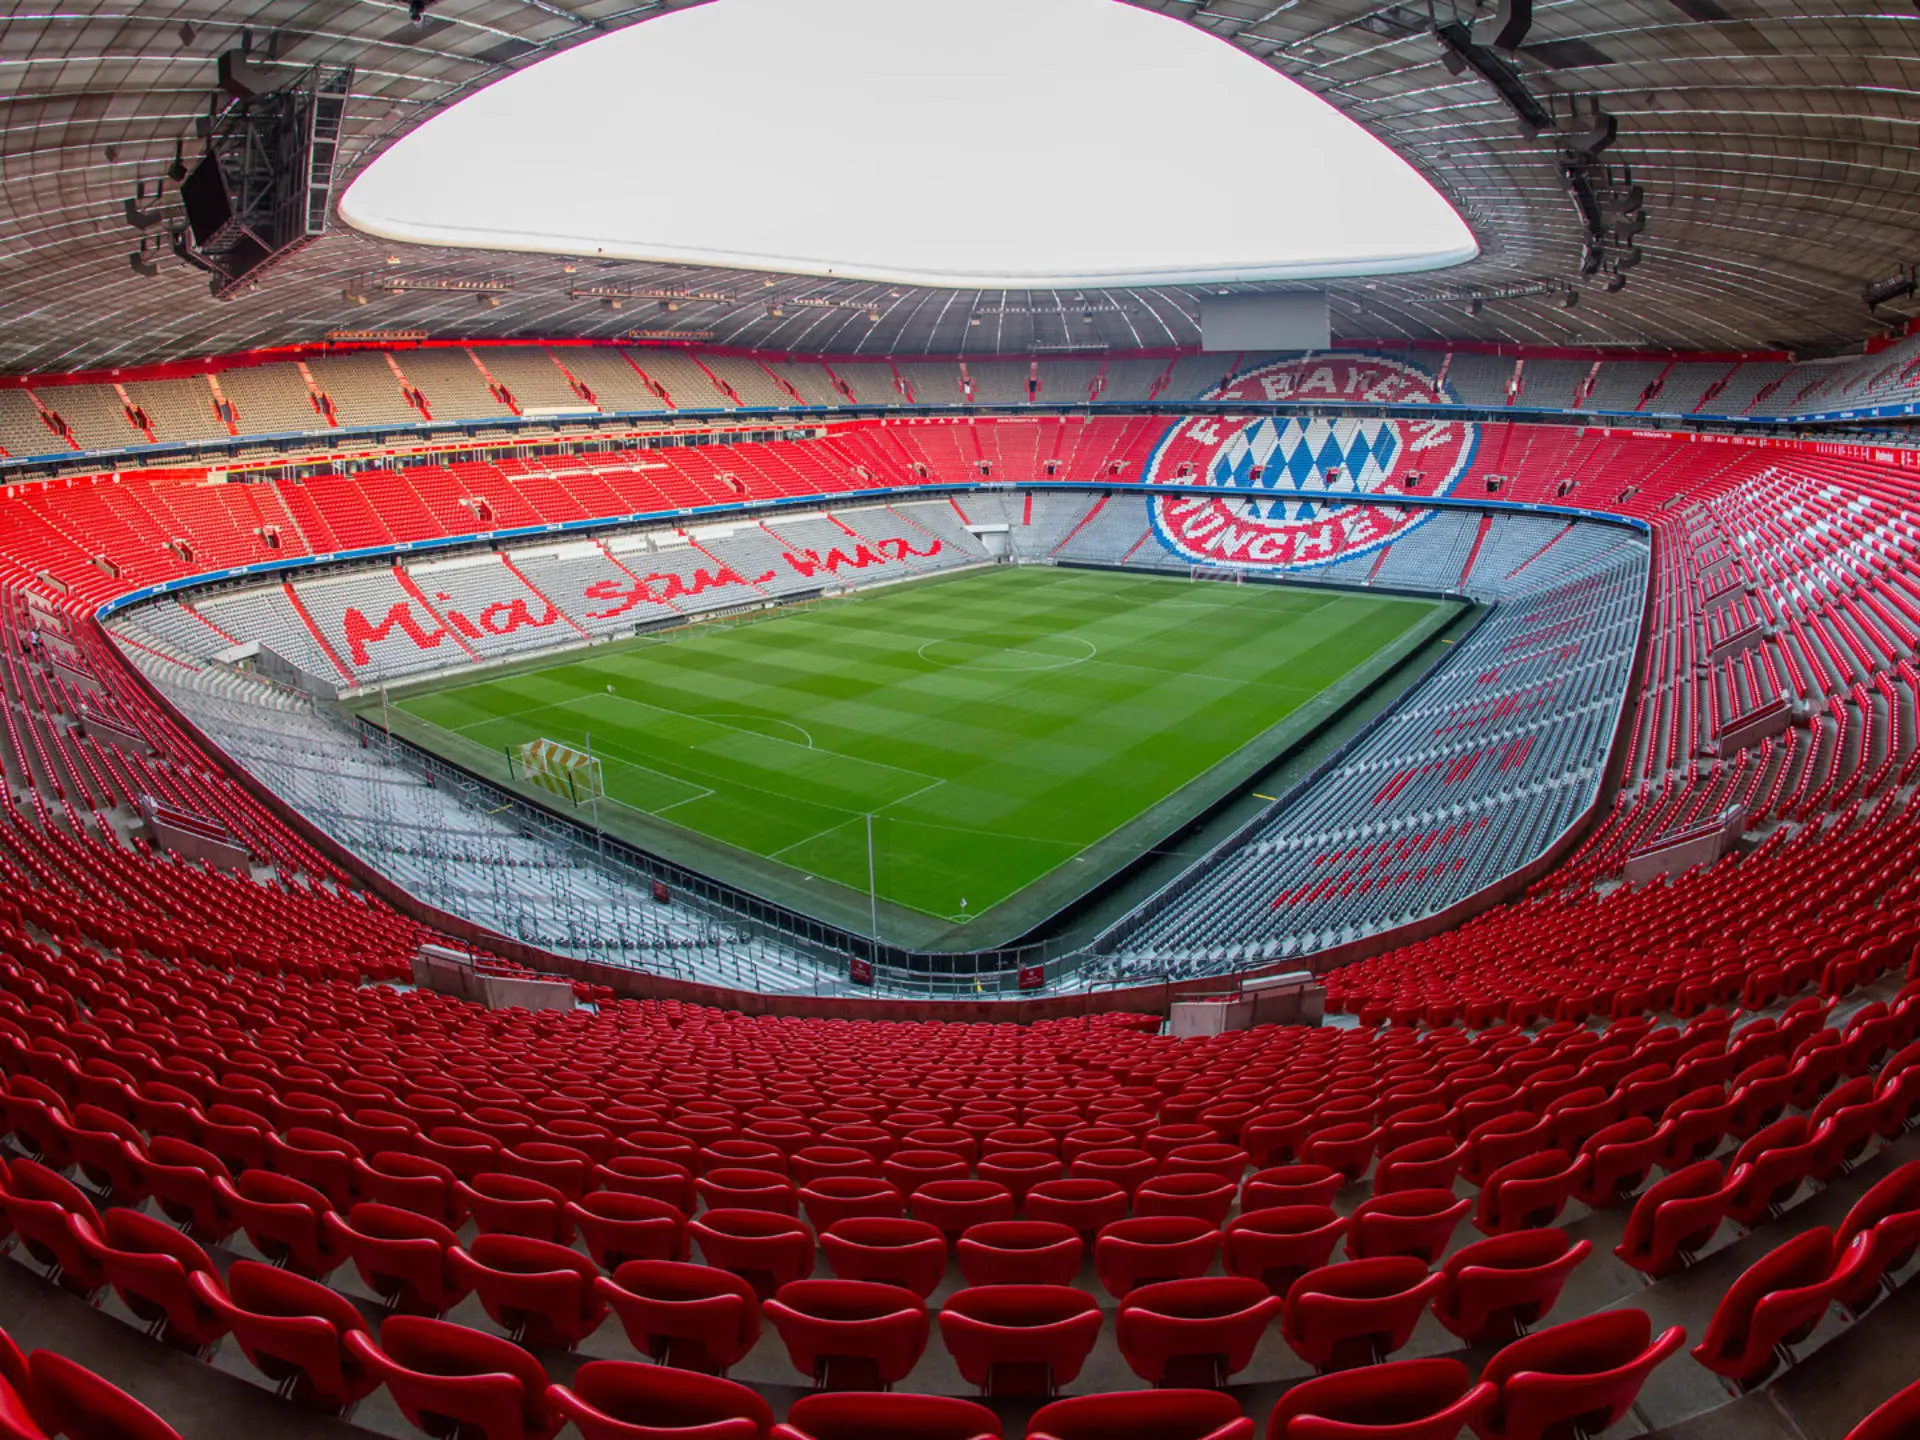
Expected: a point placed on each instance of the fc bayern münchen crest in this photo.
(1300, 477)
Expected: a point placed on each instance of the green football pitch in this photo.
(996, 725)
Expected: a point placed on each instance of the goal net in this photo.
(567, 772)
(1219, 573)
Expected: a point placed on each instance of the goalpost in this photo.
(552, 765)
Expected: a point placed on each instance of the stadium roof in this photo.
(1775, 146)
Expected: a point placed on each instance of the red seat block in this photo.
(76, 1403)
(694, 1317)
(1580, 1377)
(1143, 1415)
(1020, 1252)
(400, 1255)
(1277, 1246)
(1419, 1223)
(850, 1334)
(1195, 1333)
(883, 1417)
(293, 1331)
(1676, 1217)
(619, 1400)
(1151, 1248)
(909, 1253)
(1357, 1313)
(1020, 1339)
(446, 1376)
(1398, 1400)
(1778, 1300)
(541, 1293)
(1494, 1287)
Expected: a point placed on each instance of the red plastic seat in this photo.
(1274, 1137)
(1020, 1339)
(1290, 1185)
(834, 1198)
(1143, 1415)
(1675, 1218)
(446, 1376)
(321, 1160)
(693, 1317)
(283, 1218)
(908, 1170)
(410, 1182)
(107, 1148)
(1277, 1246)
(1020, 1170)
(909, 1253)
(1194, 1333)
(953, 1206)
(1692, 1127)
(886, 1417)
(1399, 1400)
(402, 1256)
(1127, 1167)
(1203, 1195)
(148, 1263)
(1146, 1249)
(38, 1204)
(1356, 1313)
(659, 1179)
(1020, 1252)
(1228, 1162)
(764, 1248)
(1528, 1193)
(1770, 1168)
(850, 1334)
(1419, 1223)
(293, 1331)
(618, 1227)
(503, 1204)
(180, 1175)
(540, 1293)
(1087, 1205)
(1777, 1301)
(1347, 1147)
(1619, 1157)
(1498, 1286)
(1580, 1377)
(73, 1401)
(1890, 1212)
(620, 1400)
(1429, 1164)
(733, 1188)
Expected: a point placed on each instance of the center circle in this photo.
(1003, 652)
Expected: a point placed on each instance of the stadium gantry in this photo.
(1531, 685)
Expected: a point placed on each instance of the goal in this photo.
(558, 767)
(1219, 573)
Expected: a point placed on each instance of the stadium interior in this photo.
(651, 850)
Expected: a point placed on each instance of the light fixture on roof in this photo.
(353, 296)
(1616, 283)
(138, 218)
(1570, 298)
(1476, 305)
(177, 171)
(613, 302)
(1897, 286)
(873, 316)
(1627, 258)
(489, 302)
(141, 263)
(393, 259)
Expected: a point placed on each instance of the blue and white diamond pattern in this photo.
(1295, 456)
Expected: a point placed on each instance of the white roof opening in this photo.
(991, 143)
